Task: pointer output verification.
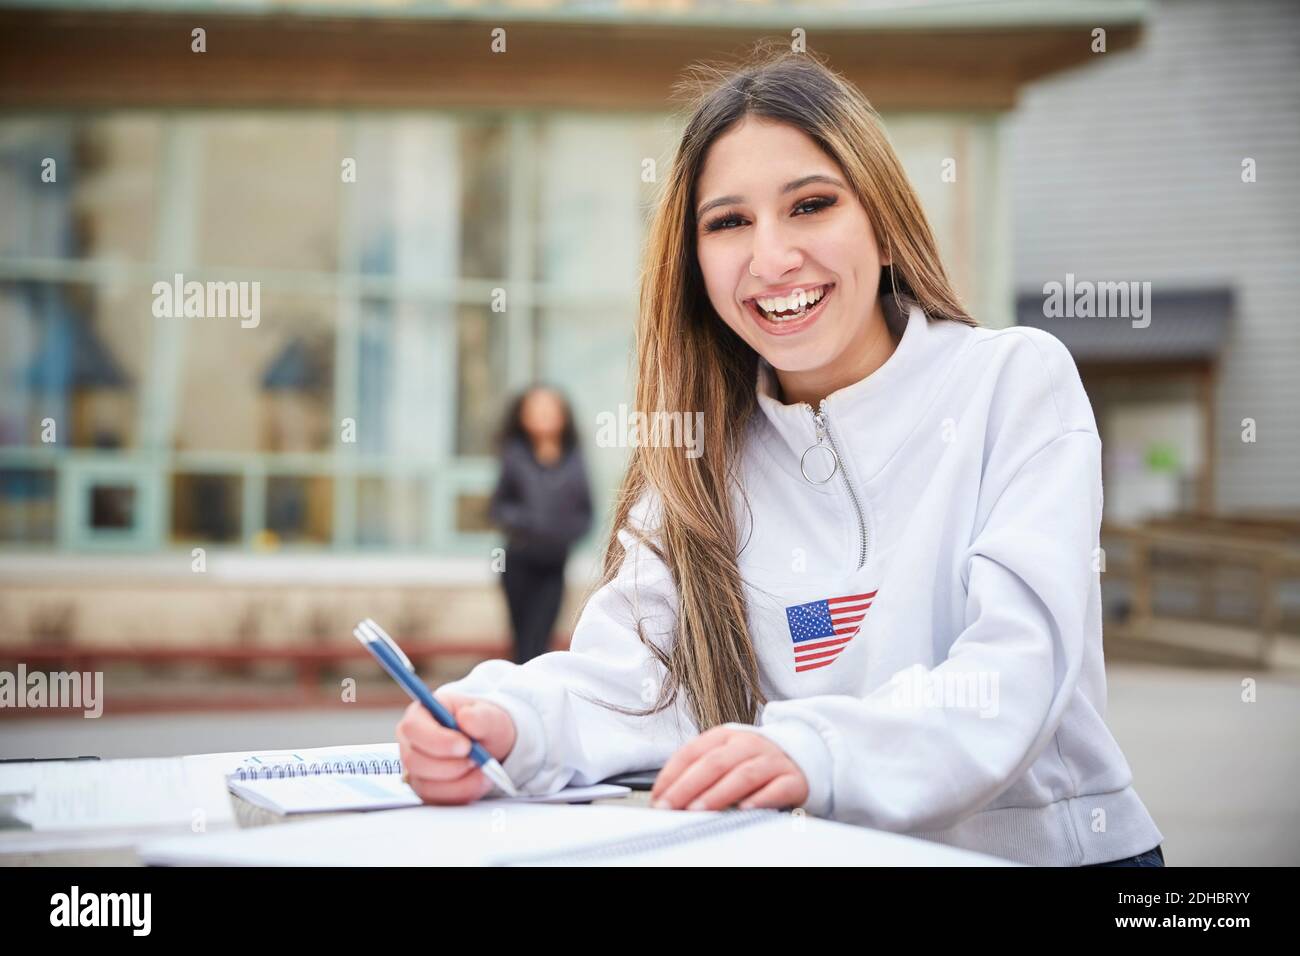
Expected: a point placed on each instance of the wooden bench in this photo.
(307, 662)
(1211, 562)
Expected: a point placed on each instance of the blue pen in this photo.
(390, 656)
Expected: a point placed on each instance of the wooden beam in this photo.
(87, 60)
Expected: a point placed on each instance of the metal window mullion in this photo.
(347, 351)
(173, 252)
(521, 345)
(252, 512)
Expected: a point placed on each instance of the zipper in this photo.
(824, 435)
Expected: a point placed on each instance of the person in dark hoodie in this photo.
(542, 502)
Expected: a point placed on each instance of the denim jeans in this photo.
(1153, 857)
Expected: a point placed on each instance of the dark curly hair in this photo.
(512, 426)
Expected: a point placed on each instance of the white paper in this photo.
(487, 833)
(70, 802)
(343, 792)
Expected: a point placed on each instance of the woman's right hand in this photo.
(434, 756)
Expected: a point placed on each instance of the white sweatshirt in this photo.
(927, 622)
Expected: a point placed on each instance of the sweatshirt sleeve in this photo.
(896, 760)
(562, 737)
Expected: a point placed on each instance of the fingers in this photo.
(787, 790)
(419, 764)
(716, 772)
(477, 719)
(434, 758)
(739, 782)
(423, 733)
(467, 789)
(724, 767)
(685, 757)
(482, 722)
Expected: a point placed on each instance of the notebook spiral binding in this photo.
(278, 771)
(597, 852)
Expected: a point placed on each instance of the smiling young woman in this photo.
(792, 231)
(874, 595)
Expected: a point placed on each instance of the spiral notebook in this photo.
(537, 835)
(356, 759)
(353, 777)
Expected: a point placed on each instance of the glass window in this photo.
(472, 514)
(485, 198)
(112, 506)
(74, 355)
(207, 507)
(299, 509)
(79, 189)
(374, 305)
(27, 505)
(593, 200)
(408, 189)
(481, 373)
(405, 354)
(587, 353)
(267, 388)
(269, 192)
(391, 512)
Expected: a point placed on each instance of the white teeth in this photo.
(801, 299)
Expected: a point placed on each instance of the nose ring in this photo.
(751, 269)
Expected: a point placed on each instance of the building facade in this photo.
(416, 210)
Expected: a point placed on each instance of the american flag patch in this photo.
(821, 629)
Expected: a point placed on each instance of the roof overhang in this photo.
(1187, 326)
(925, 55)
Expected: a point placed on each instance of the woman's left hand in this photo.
(725, 766)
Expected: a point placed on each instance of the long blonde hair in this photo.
(689, 360)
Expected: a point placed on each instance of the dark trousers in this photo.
(534, 591)
(1152, 857)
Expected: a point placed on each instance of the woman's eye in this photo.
(818, 203)
(813, 205)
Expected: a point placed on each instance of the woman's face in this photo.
(542, 414)
(813, 237)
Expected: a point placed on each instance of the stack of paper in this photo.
(85, 804)
(78, 804)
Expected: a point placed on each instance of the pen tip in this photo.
(497, 774)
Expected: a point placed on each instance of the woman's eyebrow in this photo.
(787, 188)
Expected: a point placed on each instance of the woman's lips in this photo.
(790, 326)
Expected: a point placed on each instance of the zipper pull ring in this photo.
(834, 462)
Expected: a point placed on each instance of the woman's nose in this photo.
(773, 255)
